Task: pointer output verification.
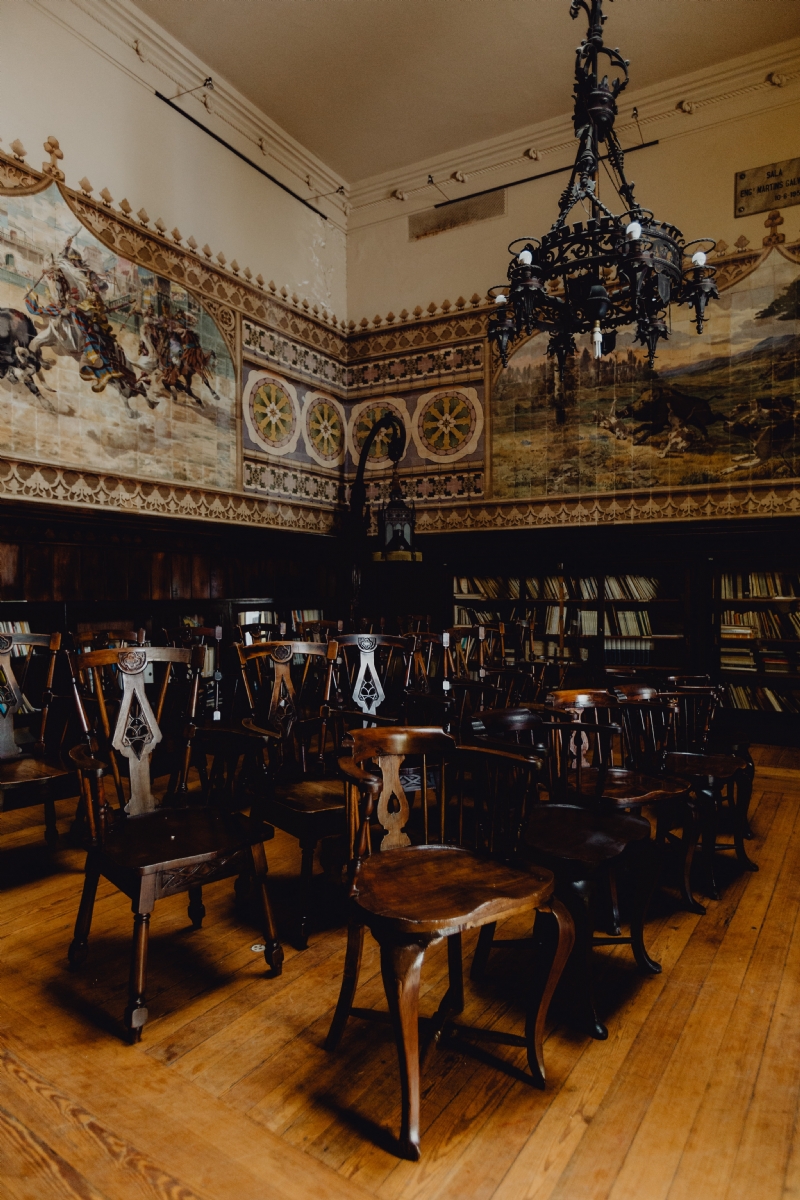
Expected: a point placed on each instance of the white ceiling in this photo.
(374, 85)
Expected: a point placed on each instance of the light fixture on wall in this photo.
(598, 275)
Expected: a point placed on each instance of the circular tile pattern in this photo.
(273, 413)
(363, 418)
(324, 423)
(447, 424)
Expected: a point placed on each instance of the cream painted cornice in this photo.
(126, 37)
(724, 93)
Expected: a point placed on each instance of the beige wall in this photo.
(687, 179)
(114, 131)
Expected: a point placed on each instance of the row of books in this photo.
(752, 623)
(759, 584)
(763, 699)
(632, 622)
(736, 659)
(557, 587)
(16, 627)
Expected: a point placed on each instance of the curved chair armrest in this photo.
(249, 723)
(508, 751)
(353, 773)
(86, 761)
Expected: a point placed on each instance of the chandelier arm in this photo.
(616, 156)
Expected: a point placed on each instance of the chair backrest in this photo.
(23, 648)
(428, 661)
(259, 631)
(386, 749)
(476, 647)
(635, 691)
(277, 697)
(319, 631)
(119, 692)
(374, 671)
(695, 709)
(650, 729)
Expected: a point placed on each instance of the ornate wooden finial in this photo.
(364, 323)
(376, 321)
(390, 317)
(192, 243)
(304, 303)
(106, 197)
(720, 248)
(742, 243)
(474, 299)
(207, 250)
(234, 266)
(85, 186)
(143, 217)
(160, 226)
(260, 280)
(404, 314)
(52, 168)
(272, 286)
(446, 306)
(18, 150)
(772, 222)
(177, 235)
(460, 302)
(221, 259)
(417, 313)
(248, 274)
(431, 308)
(284, 292)
(125, 207)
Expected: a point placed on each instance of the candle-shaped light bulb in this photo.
(597, 340)
(699, 259)
(525, 258)
(633, 231)
(501, 299)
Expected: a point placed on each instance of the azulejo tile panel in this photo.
(264, 345)
(294, 483)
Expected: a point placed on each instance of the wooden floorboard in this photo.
(695, 1093)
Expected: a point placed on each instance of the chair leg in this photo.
(455, 968)
(401, 965)
(196, 908)
(739, 794)
(613, 915)
(554, 938)
(136, 1013)
(646, 881)
(480, 959)
(352, 967)
(707, 800)
(689, 837)
(273, 950)
(50, 827)
(578, 896)
(80, 939)
(307, 847)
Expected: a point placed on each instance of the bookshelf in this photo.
(757, 633)
(599, 619)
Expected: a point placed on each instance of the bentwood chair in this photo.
(588, 846)
(33, 725)
(411, 896)
(151, 849)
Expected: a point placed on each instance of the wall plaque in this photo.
(762, 188)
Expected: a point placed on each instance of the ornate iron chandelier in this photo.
(597, 276)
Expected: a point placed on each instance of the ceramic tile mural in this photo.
(104, 364)
(721, 408)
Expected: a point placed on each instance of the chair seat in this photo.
(563, 831)
(628, 789)
(443, 889)
(175, 837)
(14, 772)
(704, 766)
(313, 795)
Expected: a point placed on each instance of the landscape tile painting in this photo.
(719, 408)
(104, 365)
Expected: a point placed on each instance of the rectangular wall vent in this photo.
(463, 212)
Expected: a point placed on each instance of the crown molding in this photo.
(713, 96)
(146, 53)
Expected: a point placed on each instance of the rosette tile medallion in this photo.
(447, 424)
(272, 412)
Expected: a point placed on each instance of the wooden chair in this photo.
(259, 631)
(319, 631)
(33, 767)
(412, 896)
(477, 647)
(587, 846)
(634, 782)
(722, 783)
(153, 850)
(290, 720)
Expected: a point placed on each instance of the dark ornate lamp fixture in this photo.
(396, 521)
(612, 270)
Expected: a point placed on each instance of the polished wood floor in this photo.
(693, 1097)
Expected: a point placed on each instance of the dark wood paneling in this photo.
(161, 576)
(66, 572)
(10, 575)
(181, 577)
(200, 577)
(38, 574)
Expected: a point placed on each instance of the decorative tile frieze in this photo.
(430, 490)
(426, 331)
(264, 345)
(751, 500)
(60, 485)
(456, 364)
(289, 482)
